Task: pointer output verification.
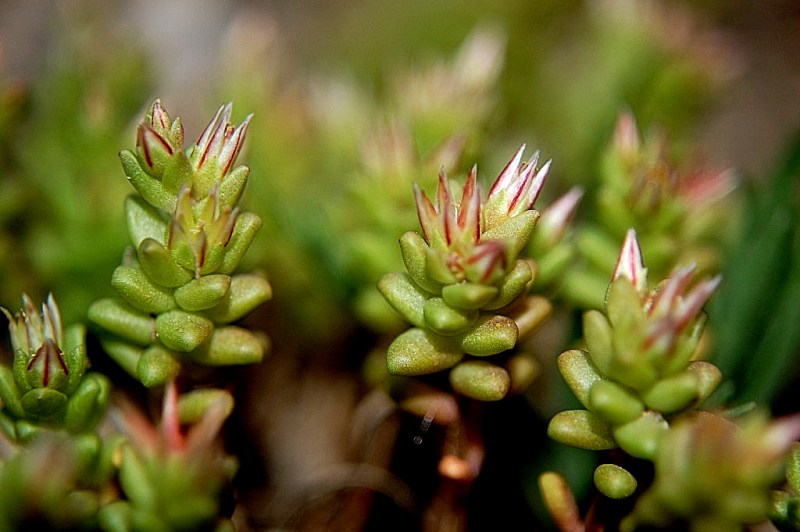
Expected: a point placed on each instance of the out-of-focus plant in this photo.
(714, 474)
(171, 480)
(755, 349)
(45, 485)
(72, 117)
(54, 462)
(48, 385)
(681, 214)
(656, 58)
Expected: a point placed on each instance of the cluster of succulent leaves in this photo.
(171, 480)
(178, 297)
(54, 458)
(47, 384)
(465, 289)
(641, 386)
(177, 291)
(681, 212)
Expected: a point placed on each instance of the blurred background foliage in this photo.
(354, 101)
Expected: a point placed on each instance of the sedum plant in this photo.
(53, 459)
(681, 213)
(465, 289)
(178, 293)
(47, 385)
(638, 368)
(641, 385)
(171, 479)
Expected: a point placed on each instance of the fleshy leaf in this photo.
(581, 429)
(404, 296)
(446, 320)
(468, 296)
(490, 335)
(640, 437)
(579, 373)
(183, 331)
(614, 403)
(419, 352)
(614, 481)
(480, 380)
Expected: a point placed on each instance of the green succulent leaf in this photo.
(598, 335)
(74, 352)
(231, 346)
(446, 320)
(144, 221)
(177, 172)
(247, 291)
(158, 263)
(436, 269)
(183, 331)
(579, 372)
(708, 377)
(672, 393)
(156, 366)
(614, 481)
(529, 313)
(126, 355)
(468, 296)
(232, 186)
(582, 429)
(43, 403)
(512, 286)
(87, 405)
(419, 352)
(614, 403)
(480, 380)
(135, 481)
(640, 438)
(490, 335)
(203, 293)
(194, 404)
(152, 190)
(624, 304)
(118, 317)
(9, 393)
(515, 232)
(413, 248)
(136, 288)
(405, 297)
(245, 229)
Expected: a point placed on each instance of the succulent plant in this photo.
(465, 290)
(48, 385)
(639, 368)
(178, 290)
